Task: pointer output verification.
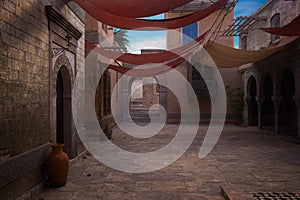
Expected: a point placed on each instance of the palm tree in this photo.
(121, 38)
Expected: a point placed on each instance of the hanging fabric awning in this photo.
(291, 29)
(142, 24)
(140, 59)
(137, 8)
(148, 72)
(227, 57)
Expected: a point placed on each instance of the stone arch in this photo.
(63, 80)
(252, 107)
(146, 97)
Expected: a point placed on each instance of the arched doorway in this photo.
(288, 109)
(253, 107)
(268, 105)
(64, 111)
(144, 94)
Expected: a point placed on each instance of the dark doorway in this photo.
(253, 107)
(288, 109)
(64, 133)
(59, 109)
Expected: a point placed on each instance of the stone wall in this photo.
(257, 39)
(25, 88)
(24, 76)
(150, 93)
(231, 77)
(283, 113)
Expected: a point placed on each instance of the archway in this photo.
(144, 93)
(253, 107)
(64, 110)
(288, 109)
(268, 105)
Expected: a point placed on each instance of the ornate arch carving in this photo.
(61, 61)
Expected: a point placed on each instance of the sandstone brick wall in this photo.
(25, 82)
(24, 74)
(24, 71)
(150, 94)
(288, 11)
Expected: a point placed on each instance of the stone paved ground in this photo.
(245, 160)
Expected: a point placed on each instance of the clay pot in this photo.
(57, 166)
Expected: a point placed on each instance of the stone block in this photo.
(8, 5)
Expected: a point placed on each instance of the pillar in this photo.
(246, 111)
(259, 101)
(162, 100)
(276, 101)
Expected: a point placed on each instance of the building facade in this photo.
(181, 36)
(41, 49)
(272, 86)
(101, 34)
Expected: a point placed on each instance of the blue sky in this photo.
(157, 39)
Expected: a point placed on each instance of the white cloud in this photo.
(157, 42)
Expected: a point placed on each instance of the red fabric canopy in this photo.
(149, 72)
(141, 24)
(140, 59)
(137, 8)
(291, 29)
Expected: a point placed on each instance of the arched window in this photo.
(275, 23)
(244, 42)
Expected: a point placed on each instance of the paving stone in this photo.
(243, 162)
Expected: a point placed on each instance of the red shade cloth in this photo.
(149, 72)
(291, 29)
(137, 8)
(141, 24)
(140, 59)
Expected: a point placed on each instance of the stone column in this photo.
(276, 101)
(162, 101)
(259, 101)
(126, 89)
(246, 110)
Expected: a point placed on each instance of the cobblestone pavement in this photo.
(244, 161)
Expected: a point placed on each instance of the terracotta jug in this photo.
(57, 166)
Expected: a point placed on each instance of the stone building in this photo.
(41, 51)
(272, 86)
(101, 34)
(144, 95)
(231, 77)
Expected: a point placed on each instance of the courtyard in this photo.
(244, 161)
(71, 67)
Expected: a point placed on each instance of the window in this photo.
(106, 93)
(197, 82)
(244, 42)
(190, 32)
(275, 23)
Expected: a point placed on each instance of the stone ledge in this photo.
(34, 192)
(230, 194)
(23, 163)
